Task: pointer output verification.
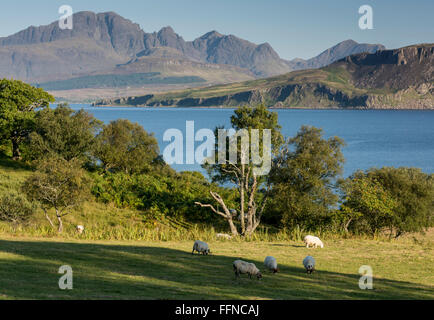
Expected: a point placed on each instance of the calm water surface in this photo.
(374, 138)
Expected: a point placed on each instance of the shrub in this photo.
(15, 208)
(400, 200)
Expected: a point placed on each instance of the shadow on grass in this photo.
(28, 270)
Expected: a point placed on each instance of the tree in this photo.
(126, 146)
(304, 178)
(58, 184)
(15, 208)
(18, 102)
(399, 200)
(63, 132)
(242, 170)
(367, 206)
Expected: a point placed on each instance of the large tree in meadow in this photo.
(241, 169)
(18, 102)
(304, 178)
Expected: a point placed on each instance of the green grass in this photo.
(402, 269)
(121, 257)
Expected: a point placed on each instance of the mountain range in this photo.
(103, 49)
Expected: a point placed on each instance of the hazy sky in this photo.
(295, 28)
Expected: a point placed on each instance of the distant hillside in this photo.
(390, 79)
(335, 53)
(117, 80)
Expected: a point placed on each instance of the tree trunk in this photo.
(233, 228)
(48, 218)
(243, 224)
(16, 153)
(225, 214)
(59, 219)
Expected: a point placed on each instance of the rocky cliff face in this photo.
(398, 69)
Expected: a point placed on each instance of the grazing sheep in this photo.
(223, 236)
(309, 264)
(201, 247)
(313, 241)
(80, 229)
(242, 267)
(271, 264)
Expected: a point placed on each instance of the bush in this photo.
(127, 147)
(15, 208)
(157, 195)
(400, 200)
(62, 132)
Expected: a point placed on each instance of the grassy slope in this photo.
(167, 270)
(334, 77)
(403, 269)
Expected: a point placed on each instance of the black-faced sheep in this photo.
(309, 264)
(271, 264)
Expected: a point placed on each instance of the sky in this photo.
(294, 28)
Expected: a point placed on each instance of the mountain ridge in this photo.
(101, 41)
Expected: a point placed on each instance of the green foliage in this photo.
(58, 184)
(259, 118)
(64, 133)
(15, 208)
(304, 177)
(367, 206)
(158, 196)
(397, 199)
(18, 102)
(125, 146)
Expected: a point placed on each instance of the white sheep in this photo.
(201, 247)
(271, 264)
(243, 267)
(80, 229)
(313, 241)
(309, 264)
(223, 236)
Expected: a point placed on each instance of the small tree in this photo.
(253, 189)
(367, 206)
(63, 132)
(304, 178)
(18, 102)
(58, 184)
(125, 146)
(15, 208)
(396, 199)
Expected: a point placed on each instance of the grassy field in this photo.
(403, 269)
(158, 264)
